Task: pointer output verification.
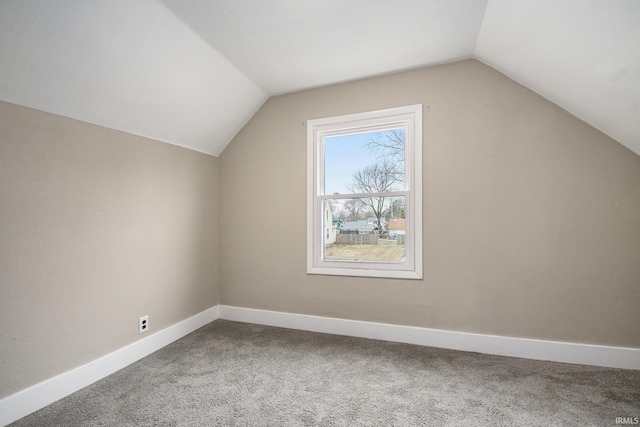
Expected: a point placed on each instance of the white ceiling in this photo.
(192, 73)
(288, 45)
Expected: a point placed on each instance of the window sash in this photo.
(362, 265)
(404, 124)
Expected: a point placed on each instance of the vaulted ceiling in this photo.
(193, 72)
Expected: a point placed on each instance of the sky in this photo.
(343, 156)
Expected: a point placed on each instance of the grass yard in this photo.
(384, 251)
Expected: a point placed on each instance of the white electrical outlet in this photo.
(143, 324)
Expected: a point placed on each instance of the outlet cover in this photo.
(143, 324)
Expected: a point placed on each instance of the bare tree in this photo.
(353, 209)
(396, 209)
(380, 177)
(390, 144)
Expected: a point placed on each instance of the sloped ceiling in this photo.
(192, 73)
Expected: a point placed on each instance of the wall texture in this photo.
(97, 228)
(531, 216)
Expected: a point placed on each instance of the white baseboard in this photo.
(556, 351)
(29, 400)
(23, 403)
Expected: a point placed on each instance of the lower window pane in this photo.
(364, 230)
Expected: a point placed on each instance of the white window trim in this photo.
(319, 128)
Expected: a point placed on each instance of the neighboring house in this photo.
(329, 225)
(396, 226)
(374, 221)
(364, 226)
(397, 230)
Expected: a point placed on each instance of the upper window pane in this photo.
(372, 162)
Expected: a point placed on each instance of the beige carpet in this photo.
(234, 374)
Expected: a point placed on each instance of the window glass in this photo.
(364, 199)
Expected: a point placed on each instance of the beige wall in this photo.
(97, 228)
(531, 216)
(531, 224)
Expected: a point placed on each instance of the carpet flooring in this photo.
(236, 374)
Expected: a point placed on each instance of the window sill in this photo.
(364, 272)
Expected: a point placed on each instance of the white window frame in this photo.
(410, 118)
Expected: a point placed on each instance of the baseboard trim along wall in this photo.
(23, 403)
(556, 351)
(29, 400)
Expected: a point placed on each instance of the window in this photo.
(364, 176)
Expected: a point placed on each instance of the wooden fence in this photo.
(357, 239)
